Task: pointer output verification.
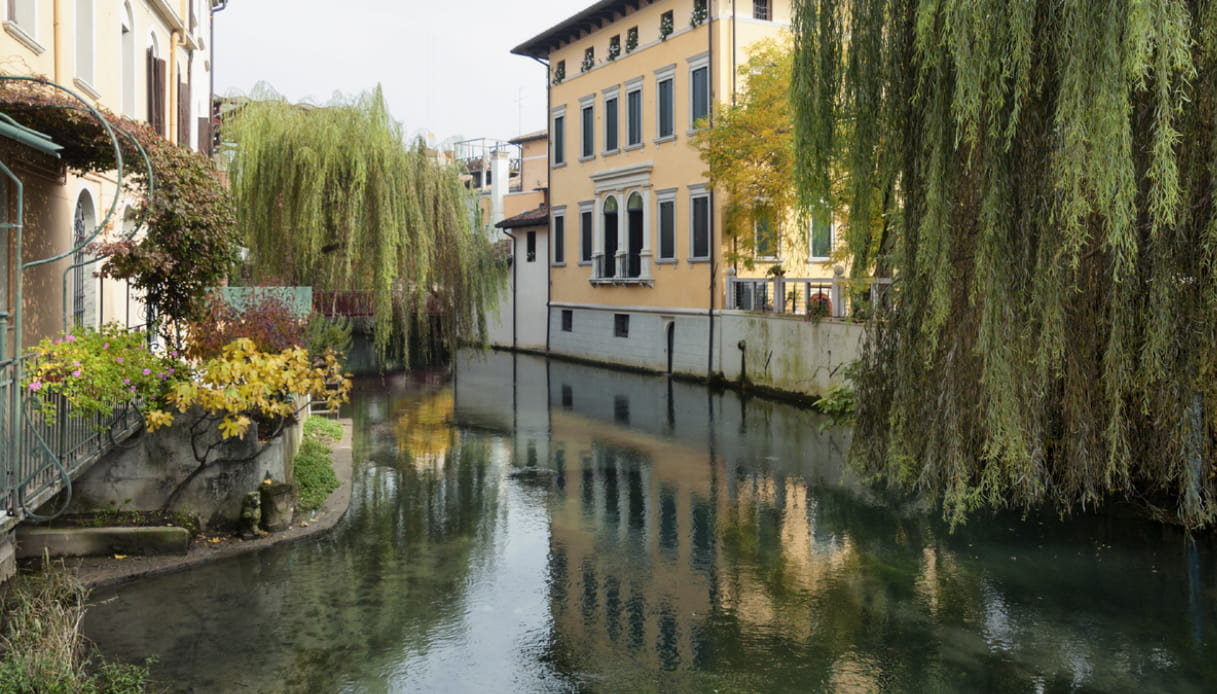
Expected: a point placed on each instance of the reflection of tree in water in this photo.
(424, 430)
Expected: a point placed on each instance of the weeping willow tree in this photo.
(1038, 177)
(334, 197)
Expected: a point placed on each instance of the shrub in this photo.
(263, 316)
(315, 478)
(94, 370)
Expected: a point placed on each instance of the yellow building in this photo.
(144, 59)
(642, 278)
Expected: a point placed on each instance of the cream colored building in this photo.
(145, 59)
(642, 277)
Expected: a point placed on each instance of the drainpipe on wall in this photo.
(58, 38)
(549, 186)
(515, 275)
(713, 255)
(176, 38)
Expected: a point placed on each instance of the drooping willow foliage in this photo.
(1038, 177)
(335, 198)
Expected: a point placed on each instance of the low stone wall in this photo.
(145, 471)
(786, 353)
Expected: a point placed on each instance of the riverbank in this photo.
(95, 572)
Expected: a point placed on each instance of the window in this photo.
(587, 116)
(559, 234)
(621, 325)
(568, 324)
(559, 72)
(585, 232)
(127, 41)
(589, 58)
(631, 39)
(633, 113)
(83, 224)
(614, 47)
(84, 41)
(821, 235)
(611, 129)
(760, 10)
(699, 89)
(21, 23)
(765, 230)
(700, 222)
(156, 73)
(530, 246)
(667, 224)
(665, 118)
(666, 23)
(558, 135)
(612, 230)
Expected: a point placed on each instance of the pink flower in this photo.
(172, 370)
(161, 375)
(75, 363)
(132, 389)
(147, 371)
(35, 385)
(105, 345)
(126, 381)
(173, 353)
(76, 373)
(118, 359)
(70, 338)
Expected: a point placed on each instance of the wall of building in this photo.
(784, 353)
(519, 320)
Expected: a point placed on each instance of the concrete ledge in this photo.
(99, 542)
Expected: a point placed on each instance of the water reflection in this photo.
(664, 538)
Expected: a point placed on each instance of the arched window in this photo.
(609, 268)
(157, 85)
(634, 226)
(83, 224)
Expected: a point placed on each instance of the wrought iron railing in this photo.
(41, 454)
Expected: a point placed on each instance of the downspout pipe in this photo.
(713, 254)
(515, 285)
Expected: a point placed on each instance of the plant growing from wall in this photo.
(1077, 141)
(334, 198)
(189, 241)
(559, 73)
(614, 49)
(589, 59)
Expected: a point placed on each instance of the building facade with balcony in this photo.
(642, 276)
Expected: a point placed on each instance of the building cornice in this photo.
(578, 25)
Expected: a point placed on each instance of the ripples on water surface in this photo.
(680, 541)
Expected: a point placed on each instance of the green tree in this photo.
(1043, 176)
(333, 197)
(749, 152)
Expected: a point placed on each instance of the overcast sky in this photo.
(446, 66)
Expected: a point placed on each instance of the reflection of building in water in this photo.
(656, 545)
(678, 533)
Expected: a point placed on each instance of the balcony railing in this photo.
(37, 456)
(818, 297)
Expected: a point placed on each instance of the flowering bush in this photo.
(264, 316)
(245, 382)
(95, 370)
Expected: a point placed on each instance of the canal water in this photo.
(534, 526)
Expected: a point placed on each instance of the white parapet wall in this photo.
(786, 353)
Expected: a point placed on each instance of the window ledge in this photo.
(669, 138)
(87, 88)
(698, 260)
(23, 38)
(607, 152)
(666, 261)
(588, 157)
(622, 281)
(559, 264)
(558, 165)
(632, 148)
(585, 262)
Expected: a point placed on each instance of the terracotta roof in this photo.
(574, 27)
(531, 218)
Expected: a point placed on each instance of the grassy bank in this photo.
(314, 468)
(42, 650)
